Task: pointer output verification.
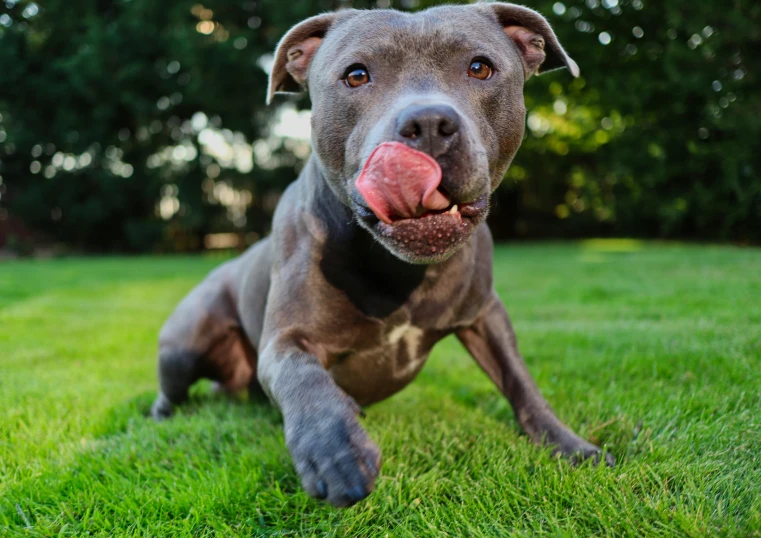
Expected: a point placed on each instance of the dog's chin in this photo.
(430, 238)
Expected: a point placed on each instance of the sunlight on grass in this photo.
(612, 245)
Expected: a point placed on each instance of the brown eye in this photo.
(480, 69)
(356, 75)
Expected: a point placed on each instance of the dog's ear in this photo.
(294, 54)
(539, 47)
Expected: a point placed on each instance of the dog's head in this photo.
(416, 117)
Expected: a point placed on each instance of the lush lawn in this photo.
(654, 352)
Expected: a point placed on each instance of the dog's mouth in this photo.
(404, 204)
(432, 235)
(457, 211)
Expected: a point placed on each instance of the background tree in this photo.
(139, 125)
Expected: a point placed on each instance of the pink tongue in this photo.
(398, 180)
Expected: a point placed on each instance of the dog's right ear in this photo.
(294, 53)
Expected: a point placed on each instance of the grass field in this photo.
(652, 350)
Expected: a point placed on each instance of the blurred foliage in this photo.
(140, 125)
(659, 136)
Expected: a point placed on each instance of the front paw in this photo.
(546, 429)
(577, 449)
(334, 456)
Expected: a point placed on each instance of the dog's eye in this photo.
(356, 75)
(480, 69)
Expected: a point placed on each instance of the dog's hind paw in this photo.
(162, 408)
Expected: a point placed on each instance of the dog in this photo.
(379, 249)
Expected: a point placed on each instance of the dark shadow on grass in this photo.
(120, 418)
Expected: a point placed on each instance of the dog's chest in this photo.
(402, 350)
(385, 364)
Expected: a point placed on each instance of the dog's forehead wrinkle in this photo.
(439, 32)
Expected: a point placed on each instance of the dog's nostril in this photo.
(410, 129)
(447, 127)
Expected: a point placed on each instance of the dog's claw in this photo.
(371, 466)
(355, 494)
(322, 489)
(162, 408)
(592, 453)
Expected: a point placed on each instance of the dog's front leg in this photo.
(331, 452)
(491, 340)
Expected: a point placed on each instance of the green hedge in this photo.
(658, 138)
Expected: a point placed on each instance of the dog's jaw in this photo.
(429, 238)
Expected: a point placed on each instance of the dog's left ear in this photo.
(294, 54)
(539, 47)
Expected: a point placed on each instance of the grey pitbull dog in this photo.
(379, 249)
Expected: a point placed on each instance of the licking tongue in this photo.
(400, 182)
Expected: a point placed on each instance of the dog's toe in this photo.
(588, 452)
(162, 408)
(349, 480)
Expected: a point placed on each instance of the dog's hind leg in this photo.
(178, 370)
(203, 339)
(230, 363)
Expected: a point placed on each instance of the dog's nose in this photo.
(429, 128)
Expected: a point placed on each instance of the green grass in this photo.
(651, 350)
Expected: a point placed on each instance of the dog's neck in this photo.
(352, 260)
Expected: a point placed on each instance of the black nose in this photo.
(429, 128)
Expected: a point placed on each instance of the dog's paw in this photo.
(334, 457)
(578, 450)
(162, 408)
(584, 451)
